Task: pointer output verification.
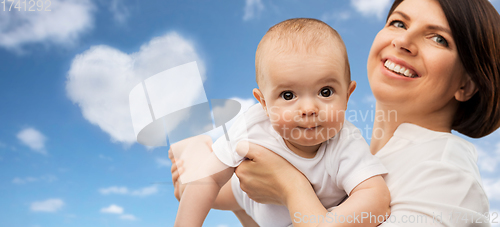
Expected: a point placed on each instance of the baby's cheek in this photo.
(283, 126)
(332, 120)
(331, 114)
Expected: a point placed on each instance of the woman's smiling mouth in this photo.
(399, 69)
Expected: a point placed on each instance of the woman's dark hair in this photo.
(475, 26)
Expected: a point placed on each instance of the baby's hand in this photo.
(177, 168)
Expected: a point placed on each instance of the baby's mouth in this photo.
(399, 69)
(309, 128)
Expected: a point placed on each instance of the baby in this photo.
(304, 83)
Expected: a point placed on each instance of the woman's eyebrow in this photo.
(439, 28)
(404, 15)
(430, 27)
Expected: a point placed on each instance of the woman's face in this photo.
(413, 64)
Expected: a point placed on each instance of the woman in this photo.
(450, 54)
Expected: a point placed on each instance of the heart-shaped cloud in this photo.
(100, 80)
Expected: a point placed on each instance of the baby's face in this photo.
(306, 96)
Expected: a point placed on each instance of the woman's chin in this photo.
(390, 94)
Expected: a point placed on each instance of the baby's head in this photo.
(304, 80)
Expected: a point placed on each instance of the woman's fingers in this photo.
(267, 177)
(259, 174)
(254, 151)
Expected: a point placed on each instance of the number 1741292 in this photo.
(26, 5)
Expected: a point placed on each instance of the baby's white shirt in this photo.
(340, 164)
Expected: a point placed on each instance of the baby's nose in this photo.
(308, 110)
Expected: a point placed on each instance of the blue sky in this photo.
(68, 155)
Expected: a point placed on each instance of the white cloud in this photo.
(66, 21)
(100, 80)
(112, 209)
(25, 180)
(492, 188)
(371, 7)
(163, 162)
(119, 10)
(146, 191)
(488, 157)
(46, 178)
(115, 209)
(49, 205)
(128, 217)
(245, 104)
(114, 190)
(369, 99)
(101, 156)
(33, 139)
(252, 9)
(336, 16)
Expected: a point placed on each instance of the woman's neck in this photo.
(388, 119)
(384, 126)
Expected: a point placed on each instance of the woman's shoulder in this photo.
(452, 149)
(459, 153)
(432, 164)
(446, 144)
(441, 148)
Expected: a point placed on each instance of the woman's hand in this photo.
(268, 178)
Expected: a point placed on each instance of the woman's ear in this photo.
(258, 95)
(466, 91)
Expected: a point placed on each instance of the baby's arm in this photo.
(198, 197)
(225, 199)
(370, 197)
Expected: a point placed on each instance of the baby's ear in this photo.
(466, 91)
(350, 89)
(258, 95)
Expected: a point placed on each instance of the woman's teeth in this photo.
(399, 69)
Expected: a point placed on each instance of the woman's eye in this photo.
(326, 92)
(398, 24)
(287, 95)
(440, 40)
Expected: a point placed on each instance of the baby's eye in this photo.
(397, 24)
(326, 91)
(440, 40)
(287, 95)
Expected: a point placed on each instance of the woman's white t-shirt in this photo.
(433, 179)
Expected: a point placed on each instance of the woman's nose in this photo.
(405, 43)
